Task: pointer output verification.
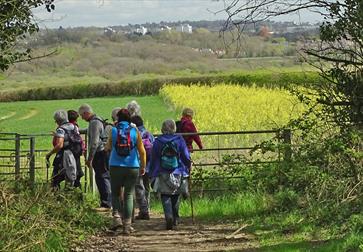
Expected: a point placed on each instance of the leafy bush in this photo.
(42, 220)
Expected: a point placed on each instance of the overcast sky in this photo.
(73, 13)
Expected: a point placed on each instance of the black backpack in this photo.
(74, 141)
(104, 124)
(123, 145)
(179, 126)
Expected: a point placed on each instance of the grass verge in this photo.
(275, 230)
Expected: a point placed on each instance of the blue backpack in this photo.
(169, 156)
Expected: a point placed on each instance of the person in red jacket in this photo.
(186, 125)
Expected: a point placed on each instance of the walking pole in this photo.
(190, 193)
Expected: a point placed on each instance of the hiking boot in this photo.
(116, 221)
(142, 216)
(169, 224)
(127, 229)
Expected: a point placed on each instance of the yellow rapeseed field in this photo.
(234, 108)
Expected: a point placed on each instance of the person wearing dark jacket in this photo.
(187, 126)
(142, 187)
(170, 162)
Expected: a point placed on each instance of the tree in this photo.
(327, 159)
(338, 54)
(16, 23)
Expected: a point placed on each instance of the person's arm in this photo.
(190, 127)
(153, 159)
(94, 138)
(185, 155)
(57, 147)
(142, 153)
(83, 131)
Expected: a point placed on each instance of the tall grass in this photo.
(41, 220)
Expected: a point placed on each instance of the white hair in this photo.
(114, 113)
(85, 108)
(134, 108)
(60, 116)
(168, 127)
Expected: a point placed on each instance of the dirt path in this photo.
(151, 236)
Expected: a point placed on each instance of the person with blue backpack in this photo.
(170, 162)
(142, 188)
(127, 161)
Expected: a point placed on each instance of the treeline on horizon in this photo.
(153, 85)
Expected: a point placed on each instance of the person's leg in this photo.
(175, 202)
(146, 181)
(141, 200)
(80, 174)
(102, 176)
(168, 210)
(116, 178)
(58, 175)
(128, 181)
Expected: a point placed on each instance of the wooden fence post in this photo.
(32, 162)
(91, 177)
(17, 156)
(286, 136)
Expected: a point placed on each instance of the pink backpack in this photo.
(148, 145)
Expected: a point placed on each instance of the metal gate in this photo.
(22, 157)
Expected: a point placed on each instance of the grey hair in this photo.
(168, 127)
(60, 116)
(85, 108)
(114, 113)
(134, 108)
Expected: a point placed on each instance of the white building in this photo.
(185, 28)
(108, 31)
(141, 30)
(165, 28)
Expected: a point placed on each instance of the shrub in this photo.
(41, 220)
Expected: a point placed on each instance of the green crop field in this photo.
(33, 117)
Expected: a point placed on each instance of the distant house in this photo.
(186, 28)
(165, 28)
(140, 30)
(108, 31)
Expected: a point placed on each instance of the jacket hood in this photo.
(167, 138)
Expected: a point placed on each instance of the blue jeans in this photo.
(171, 206)
(142, 193)
(102, 175)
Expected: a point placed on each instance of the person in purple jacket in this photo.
(170, 161)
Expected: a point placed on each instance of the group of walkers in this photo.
(127, 160)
